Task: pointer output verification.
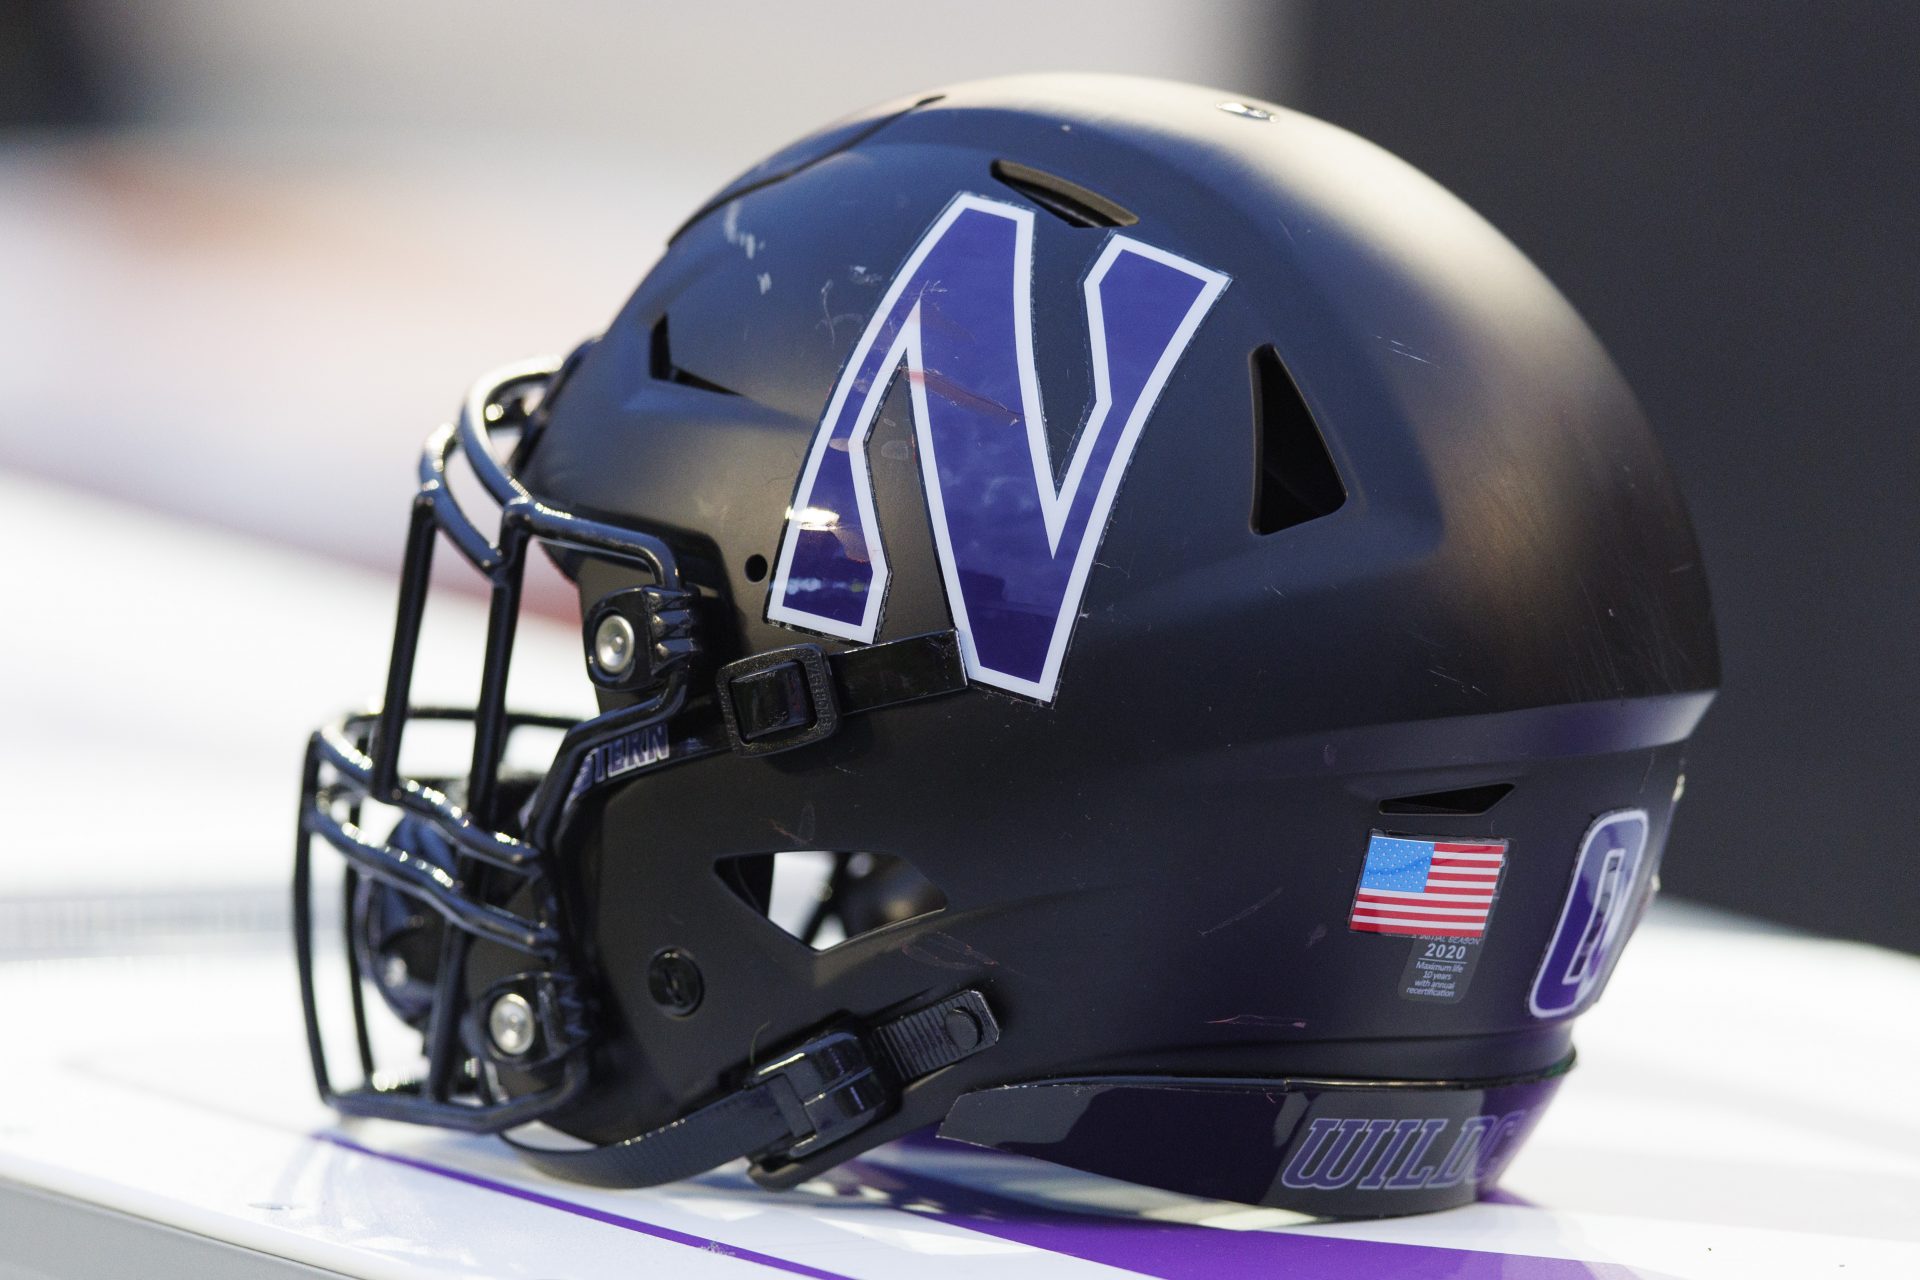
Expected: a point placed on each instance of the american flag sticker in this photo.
(1427, 888)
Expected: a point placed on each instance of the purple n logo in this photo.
(1015, 544)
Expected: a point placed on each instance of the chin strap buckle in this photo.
(787, 698)
(825, 1089)
(778, 700)
(818, 1092)
(839, 1082)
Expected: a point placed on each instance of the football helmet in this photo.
(1207, 607)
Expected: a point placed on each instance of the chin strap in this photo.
(767, 703)
(807, 1097)
(785, 698)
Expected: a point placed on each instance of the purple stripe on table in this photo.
(636, 1225)
(1183, 1251)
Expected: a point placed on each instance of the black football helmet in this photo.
(1208, 609)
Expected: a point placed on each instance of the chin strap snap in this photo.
(808, 1097)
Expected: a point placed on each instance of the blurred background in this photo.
(252, 250)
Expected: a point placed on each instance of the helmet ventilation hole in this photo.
(660, 364)
(825, 899)
(1068, 201)
(1466, 802)
(1294, 476)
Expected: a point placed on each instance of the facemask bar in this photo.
(356, 760)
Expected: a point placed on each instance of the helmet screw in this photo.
(510, 1024)
(963, 1029)
(613, 645)
(674, 981)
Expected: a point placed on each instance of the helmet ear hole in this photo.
(880, 890)
(750, 878)
(824, 899)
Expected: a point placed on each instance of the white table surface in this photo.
(1744, 1108)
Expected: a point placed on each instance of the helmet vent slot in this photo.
(1294, 477)
(1068, 201)
(1466, 802)
(824, 899)
(660, 364)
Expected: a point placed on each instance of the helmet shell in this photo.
(1152, 873)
